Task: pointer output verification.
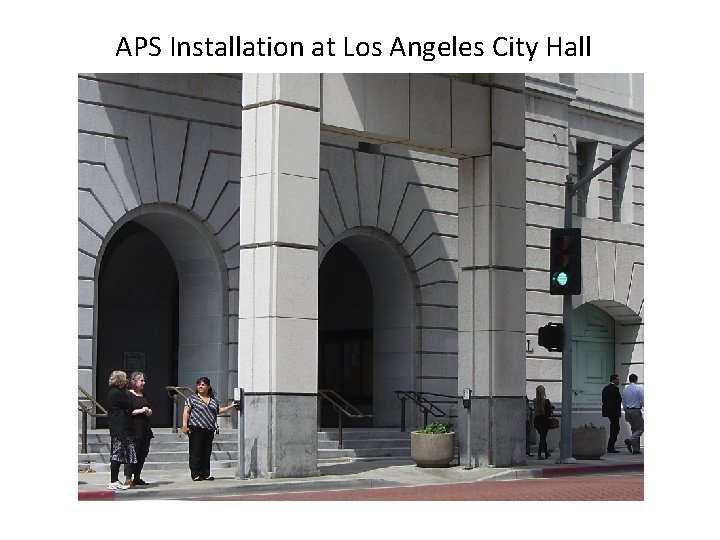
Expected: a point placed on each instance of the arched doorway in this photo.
(162, 304)
(593, 353)
(345, 333)
(138, 320)
(366, 327)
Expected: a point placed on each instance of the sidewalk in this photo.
(176, 484)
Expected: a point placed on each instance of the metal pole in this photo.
(340, 441)
(175, 413)
(566, 424)
(469, 460)
(240, 396)
(402, 414)
(83, 450)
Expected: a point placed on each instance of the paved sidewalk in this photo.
(176, 484)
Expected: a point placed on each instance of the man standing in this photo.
(611, 400)
(634, 400)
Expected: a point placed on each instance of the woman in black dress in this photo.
(542, 410)
(142, 432)
(120, 411)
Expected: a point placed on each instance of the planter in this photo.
(588, 443)
(432, 449)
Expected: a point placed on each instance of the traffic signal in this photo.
(551, 336)
(565, 269)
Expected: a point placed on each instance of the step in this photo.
(156, 446)
(353, 435)
(160, 466)
(364, 452)
(169, 451)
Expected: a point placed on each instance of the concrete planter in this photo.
(432, 449)
(588, 443)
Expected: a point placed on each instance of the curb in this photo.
(96, 495)
(573, 470)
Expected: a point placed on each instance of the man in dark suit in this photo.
(611, 401)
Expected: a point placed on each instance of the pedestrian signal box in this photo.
(565, 267)
(551, 336)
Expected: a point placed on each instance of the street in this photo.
(619, 487)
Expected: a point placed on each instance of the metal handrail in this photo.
(425, 405)
(96, 406)
(343, 407)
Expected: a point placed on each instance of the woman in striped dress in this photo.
(199, 423)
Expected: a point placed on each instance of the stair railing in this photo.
(426, 406)
(176, 393)
(95, 409)
(343, 408)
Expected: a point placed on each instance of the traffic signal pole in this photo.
(566, 423)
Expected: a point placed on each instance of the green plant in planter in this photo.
(438, 427)
(434, 445)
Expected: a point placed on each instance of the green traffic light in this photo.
(561, 278)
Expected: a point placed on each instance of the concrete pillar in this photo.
(491, 309)
(279, 271)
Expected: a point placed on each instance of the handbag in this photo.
(554, 422)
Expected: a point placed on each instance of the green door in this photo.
(593, 353)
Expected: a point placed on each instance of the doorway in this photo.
(345, 334)
(367, 326)
(593, 353)
(137, 327)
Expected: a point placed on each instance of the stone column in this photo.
(491, 310)
(279, 272)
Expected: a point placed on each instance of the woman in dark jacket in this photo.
(142, 433)
(542, 411)
(120, 411)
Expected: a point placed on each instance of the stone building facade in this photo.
(367, 233)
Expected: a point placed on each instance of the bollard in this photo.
(467, 402)
(239, 397)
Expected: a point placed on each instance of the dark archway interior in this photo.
(137, 326)
(345, 334)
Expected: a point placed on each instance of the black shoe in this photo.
(209, 478)
(629, 446)
(540, 457)
(637, 452)
(612, 451)
(197, 478)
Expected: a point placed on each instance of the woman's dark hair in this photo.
(211, 392)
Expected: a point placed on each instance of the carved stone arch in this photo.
(202, 295)
(395, 317)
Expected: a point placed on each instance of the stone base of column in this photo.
(281, 436)
(497, 432)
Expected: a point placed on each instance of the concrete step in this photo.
(366, 443)
(159, 466)
(354, 435)
(364, 452)
(157, 446)
(169, 451)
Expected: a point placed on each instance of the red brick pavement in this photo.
(581, 488)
